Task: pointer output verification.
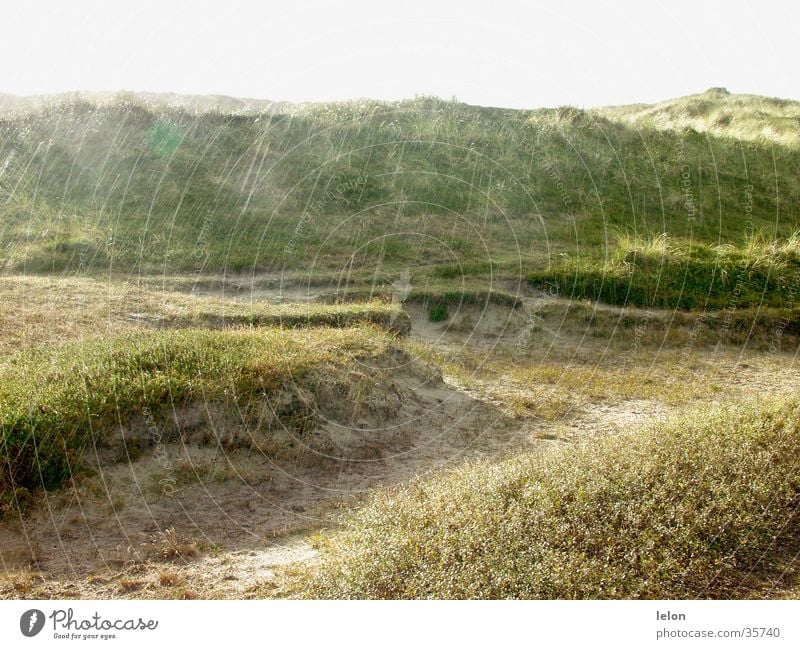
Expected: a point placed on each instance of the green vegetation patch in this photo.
(438, 312)
(385, 315)
(54, 404)
(686, 509)
(664, 273)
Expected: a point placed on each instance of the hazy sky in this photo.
(492, 52)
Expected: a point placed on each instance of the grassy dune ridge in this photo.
(698, 507)
(442, 186)
(56, 403)
(46, 310)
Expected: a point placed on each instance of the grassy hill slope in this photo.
(142, 184)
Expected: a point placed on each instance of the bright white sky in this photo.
(492, 52)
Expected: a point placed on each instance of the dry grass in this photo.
(548, 384)
(169, 578)
(128, 585)
(689, 509)
(172, 546)
(743, 117)
(41, 310)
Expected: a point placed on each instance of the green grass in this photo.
(695, 508)
(438, 312)
(662, 272)
(55, 403)
(447, 189)
(259, 314)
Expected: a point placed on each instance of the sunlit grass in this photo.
(686, 509)
(717, 112)
(667, 273)
(40, 310)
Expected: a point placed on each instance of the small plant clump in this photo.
(438, 312)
